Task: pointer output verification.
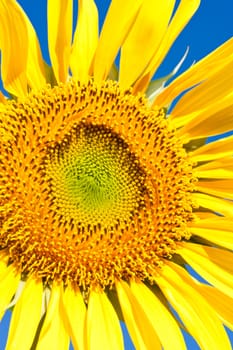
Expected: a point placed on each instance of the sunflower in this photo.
(108, 194)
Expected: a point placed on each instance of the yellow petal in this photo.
(118, 22)
(203, 69)
(213, 264)
(214, 119)
(218, 169)
(139, 341)
(155, 317)
(53, 335)
(103, 327)
(8, 285)
(60, 16)
(196, 314)
(26, 316)
(222, 303)
(220, 188)
(2, 98)
(183, 14)
(85, 40)
(73, 314)
(215, 204)
(35, 64)
(147, 33)
(206, 215)
(216, 230)
(14, 43)
(3, 264)
(206, 93)
(214, 150)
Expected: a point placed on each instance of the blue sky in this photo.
(210, 27)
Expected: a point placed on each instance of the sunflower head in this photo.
(98, 185)
(107, 188)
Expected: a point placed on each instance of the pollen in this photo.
(95, 185)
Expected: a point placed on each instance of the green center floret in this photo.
(94, 178)
(91, 184)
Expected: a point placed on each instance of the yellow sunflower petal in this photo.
(59, 36)
(203, 69)
(214, 150)
(154, 317)
(8, 285)
(53, 335)
(14, 43)
(205, 122)
(85, 39)
(216, 230)
(103, 325)
(74, 313)
(199, 318)
(205, 215)
(35, 64)
(213, 264)
(222, 303)
(183, 14)
(140, 342)
(147, 32)
(215, 204)
(208, 92)
(118, 22)
(218, 169)
(26, 316)
(220, 188)
(2, 98)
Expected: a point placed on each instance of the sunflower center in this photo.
(93, 178)
(95, 185)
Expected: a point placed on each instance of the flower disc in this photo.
(95, 187)
(87, 188)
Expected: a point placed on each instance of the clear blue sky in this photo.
(210, 27)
